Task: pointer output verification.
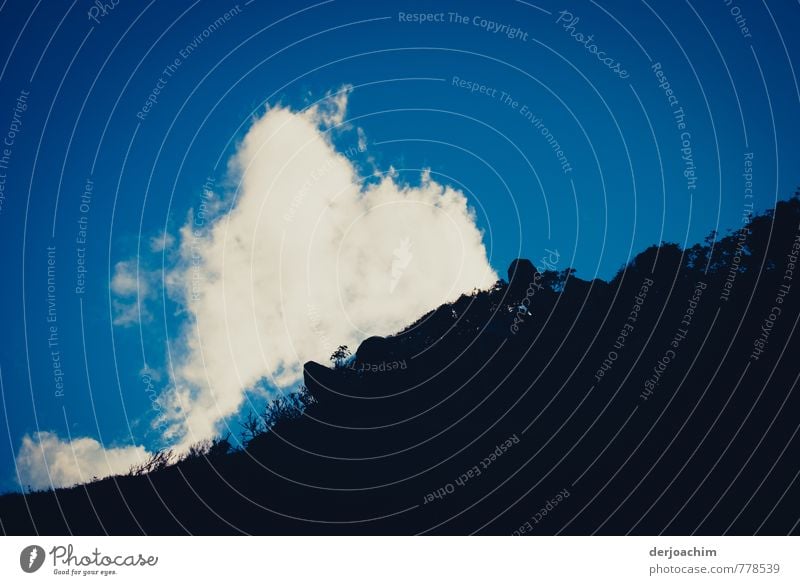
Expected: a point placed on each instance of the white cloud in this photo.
(161, 242)
(71, 462)
(126, 282)
(330, 111)
(132, 288)
(362, 139)
(305, 261)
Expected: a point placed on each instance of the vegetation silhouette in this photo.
(661, 401)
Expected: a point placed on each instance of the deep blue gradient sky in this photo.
(84, 81)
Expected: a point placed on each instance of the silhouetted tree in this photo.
(155, 462)
(252, 426)
(340, 355)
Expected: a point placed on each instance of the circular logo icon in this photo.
(31, 558)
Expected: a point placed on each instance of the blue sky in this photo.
(82, 81)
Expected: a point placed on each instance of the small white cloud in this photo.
(161, 242)
(46, 461)
(132, 287)
(127, 313)
(362, 139)
(127, 281)
(150, 374)
(331, 110)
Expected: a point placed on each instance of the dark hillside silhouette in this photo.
(664, 400)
